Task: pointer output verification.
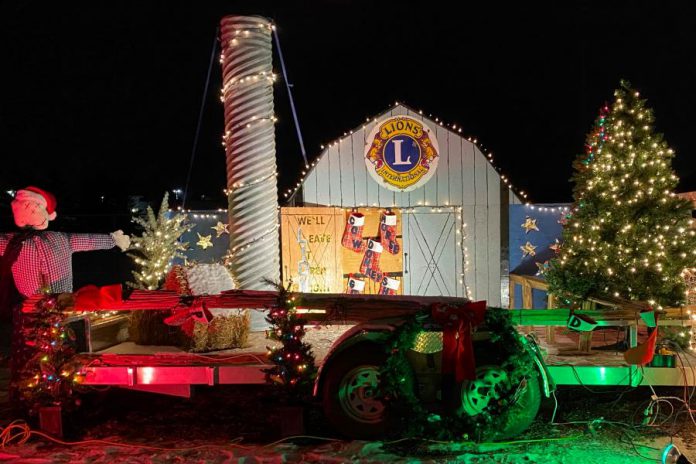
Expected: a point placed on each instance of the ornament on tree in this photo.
(542, 267)
(529, 224)
(294, 366)
(370, 262)
(355, 286)
(389, 286)
(220, 229)
(528, 249)
(352, 234)
(387, 232)
(204, 241)
(555, 246)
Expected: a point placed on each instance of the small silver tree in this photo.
(158, 245)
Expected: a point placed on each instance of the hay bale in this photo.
(229, 328)
(223, 333)
(148, 328)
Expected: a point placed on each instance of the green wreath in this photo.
(413, 419)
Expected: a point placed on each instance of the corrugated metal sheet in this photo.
(464, 178)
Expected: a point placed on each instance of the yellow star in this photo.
(204, 241)
(528, 249)
(220, 228)
(529, 224)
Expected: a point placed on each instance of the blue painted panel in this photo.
(547, 219)
(204, 222)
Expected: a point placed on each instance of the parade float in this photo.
(395, 237)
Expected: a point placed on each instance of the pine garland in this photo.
(398, 383)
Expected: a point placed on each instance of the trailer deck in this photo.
(568, 355)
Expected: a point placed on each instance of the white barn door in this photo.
(432, 255)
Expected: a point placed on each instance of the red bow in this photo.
(92, 298)
(458, 350)
(188, 316)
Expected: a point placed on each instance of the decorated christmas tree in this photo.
(628, 235)
(158, 245)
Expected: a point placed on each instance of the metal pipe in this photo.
(249, 141)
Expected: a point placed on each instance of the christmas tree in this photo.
(628, 235)
(158, 245)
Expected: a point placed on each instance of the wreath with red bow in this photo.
(398, 383)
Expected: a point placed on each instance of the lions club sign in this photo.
(401, 153)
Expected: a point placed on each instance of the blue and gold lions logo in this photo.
(401, 153)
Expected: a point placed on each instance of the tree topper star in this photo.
(204, 241)
(529, 224)
(528, 249)
(220, 228)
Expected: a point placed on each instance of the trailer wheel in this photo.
(349, 395)
(490, 384)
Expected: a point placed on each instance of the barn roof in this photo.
(454, 129)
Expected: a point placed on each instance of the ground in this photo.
(242, 424)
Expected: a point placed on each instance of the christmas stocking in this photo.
(352, 235)
(389, 286)
(387, 232)
(370, 262)
(355, 286)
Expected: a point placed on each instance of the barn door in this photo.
(432, 258)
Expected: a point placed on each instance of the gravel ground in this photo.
(241, 424)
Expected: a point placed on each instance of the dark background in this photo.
(100, 100)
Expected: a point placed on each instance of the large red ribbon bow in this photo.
(457, 321)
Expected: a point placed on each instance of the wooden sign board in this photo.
(314, 259)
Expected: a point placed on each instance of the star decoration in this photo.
(528, 249)
(542, 267)
(529, 224)
(220, 228)
(555, 247)
(204, 241)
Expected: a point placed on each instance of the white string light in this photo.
(290, 192)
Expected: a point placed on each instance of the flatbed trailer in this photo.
(339, 320)
(171, 370)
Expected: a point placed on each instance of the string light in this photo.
(292, 191)
(619, 231)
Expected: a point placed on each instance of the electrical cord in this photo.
(18, 433)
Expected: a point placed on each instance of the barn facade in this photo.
(452, 205)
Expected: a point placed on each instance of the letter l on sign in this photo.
(397, 154)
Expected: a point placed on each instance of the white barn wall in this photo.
(464, 177)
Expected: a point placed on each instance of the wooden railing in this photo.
(616, 313)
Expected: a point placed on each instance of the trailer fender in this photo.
(546, 380)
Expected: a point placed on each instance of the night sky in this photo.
(102, 98)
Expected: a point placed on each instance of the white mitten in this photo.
(121, 240)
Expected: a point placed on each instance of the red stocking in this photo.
(352, 234)
(389, 286)
(355, 286)
(370, 262)
(387, 232)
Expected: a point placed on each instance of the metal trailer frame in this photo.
(174, 375)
